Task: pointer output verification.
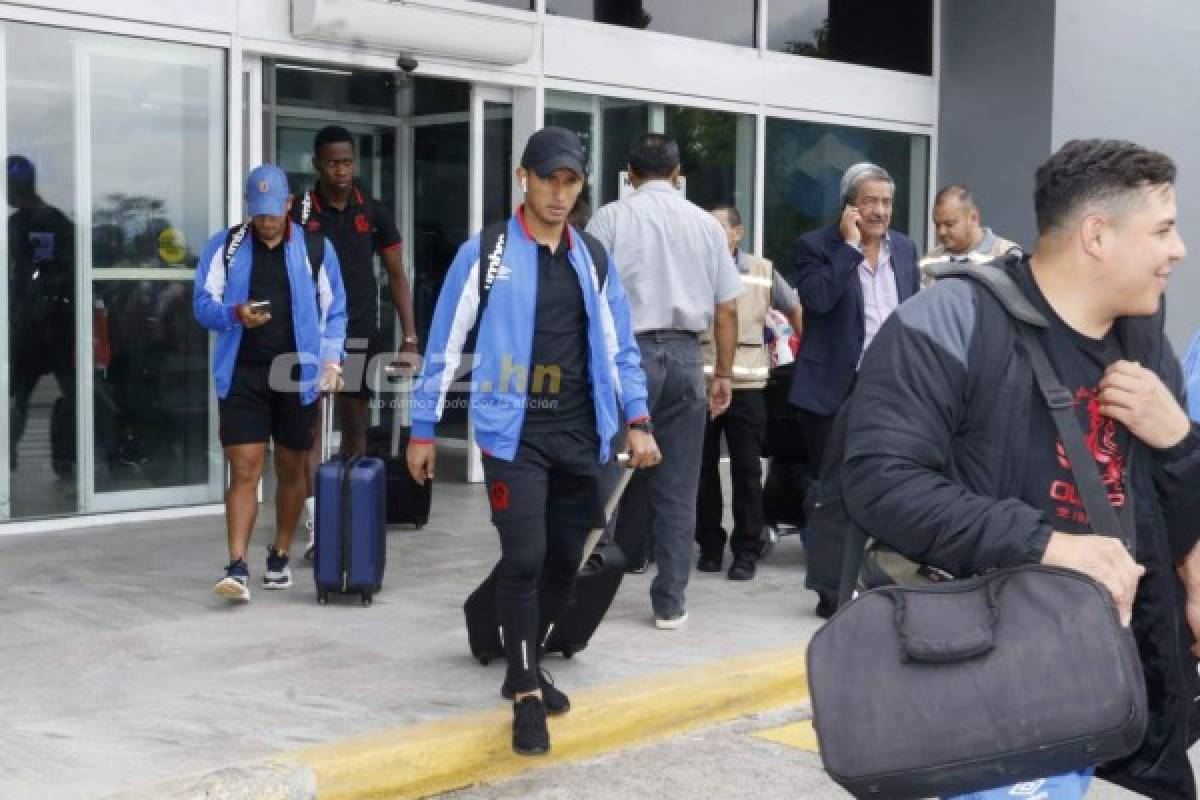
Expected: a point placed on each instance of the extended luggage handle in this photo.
(325, 400)
(401, 404)
(951, 646)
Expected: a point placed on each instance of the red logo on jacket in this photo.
(361, 224)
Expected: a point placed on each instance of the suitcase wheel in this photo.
(323, 598)
(568, 652)
(484, 661)
(366, 599)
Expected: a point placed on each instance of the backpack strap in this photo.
(306, 208)
(314, 245)
(599, 256)
(233, 240)
(492, 243)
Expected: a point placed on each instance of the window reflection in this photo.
(894, 35)
(716, 148)
(804, 165)
(728, 21)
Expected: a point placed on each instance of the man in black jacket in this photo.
(953, 459)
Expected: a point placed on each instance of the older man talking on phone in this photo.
(850, 276)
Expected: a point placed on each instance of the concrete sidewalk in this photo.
(122, 669)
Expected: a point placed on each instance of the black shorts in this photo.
(253, 412)
(374, 346)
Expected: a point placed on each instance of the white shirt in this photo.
(672, 255)
(880, 296)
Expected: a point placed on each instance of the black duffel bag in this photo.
(968, 685)
(957, 687)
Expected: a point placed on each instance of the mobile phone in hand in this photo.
(261, 306)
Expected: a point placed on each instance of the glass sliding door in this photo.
(151, 144)
(115, 181)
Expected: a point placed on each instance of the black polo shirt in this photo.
(269, 281)
(560, 396)
(358, 231)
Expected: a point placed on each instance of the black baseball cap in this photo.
(553, 148)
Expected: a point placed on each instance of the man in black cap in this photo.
(554, 357)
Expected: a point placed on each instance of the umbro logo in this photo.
(495, 270)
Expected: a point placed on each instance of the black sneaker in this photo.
(742, 569)
(826, 606)
(709, 564)
(278, 574)
(530, 735)
(555, 699)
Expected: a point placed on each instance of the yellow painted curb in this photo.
(799, 735)
(434, 757)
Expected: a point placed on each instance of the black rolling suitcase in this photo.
(600, 575)
(408, 502)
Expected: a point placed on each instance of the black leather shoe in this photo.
(709, 564)
(826, 606)
(742, 570)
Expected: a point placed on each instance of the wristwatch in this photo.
(643, 425)
(410, 340)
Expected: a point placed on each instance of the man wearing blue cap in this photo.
(280, 318)
(560, 317)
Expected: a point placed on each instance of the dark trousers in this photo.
(744, 427)
(824, 554)
(543, 503)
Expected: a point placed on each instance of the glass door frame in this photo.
(481, 96)
(91, 501)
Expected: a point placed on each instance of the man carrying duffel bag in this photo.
(554, 355)
(952, 455)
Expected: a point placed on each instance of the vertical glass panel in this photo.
(151, 401)
(42, 291)
(440, 218)
(497, 161)
(894, 35)
(716, 153)
(728, 21)
(804, 166)
(157, 144)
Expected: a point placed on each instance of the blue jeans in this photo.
(1071, 786)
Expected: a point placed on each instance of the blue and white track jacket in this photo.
(318, 308)
(504, 344)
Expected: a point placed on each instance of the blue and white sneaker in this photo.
(278, 574)
(234, 586)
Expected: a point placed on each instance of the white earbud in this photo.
(524, 186)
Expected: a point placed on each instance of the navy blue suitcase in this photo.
(351, 524)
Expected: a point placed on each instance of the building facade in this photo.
(129, 124)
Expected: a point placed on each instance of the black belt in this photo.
(669, 333)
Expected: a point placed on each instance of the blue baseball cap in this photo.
(267, 191)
